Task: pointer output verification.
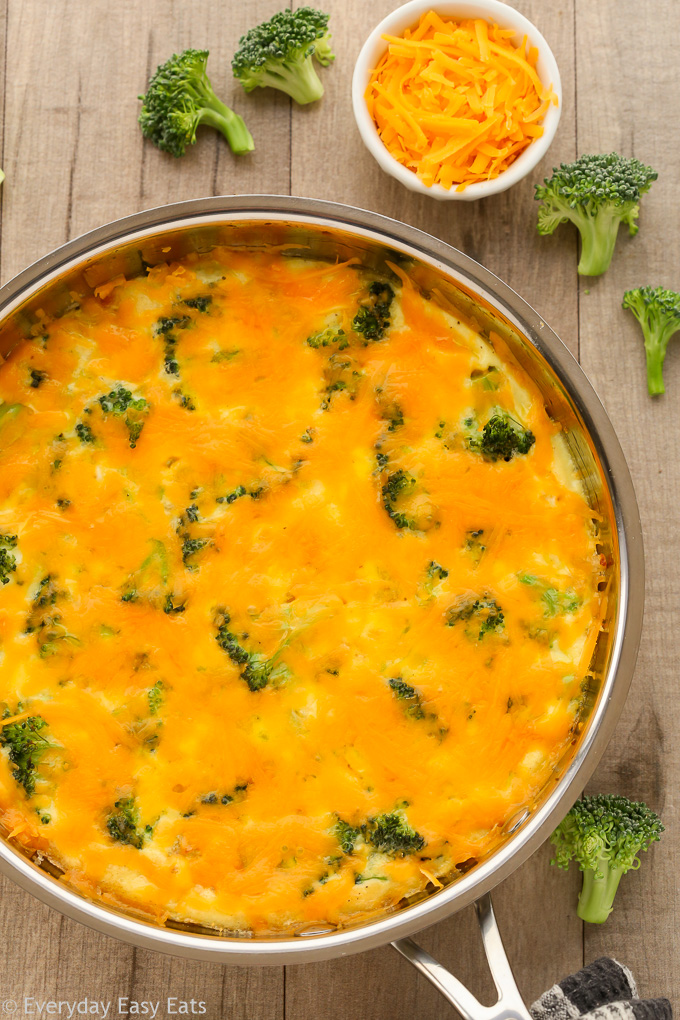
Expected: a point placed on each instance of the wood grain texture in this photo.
(75, 158)
(643, 760)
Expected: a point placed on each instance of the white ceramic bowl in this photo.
(494, 11)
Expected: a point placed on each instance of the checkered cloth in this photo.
(604, 990)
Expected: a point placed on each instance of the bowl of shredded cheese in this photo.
(460, 101)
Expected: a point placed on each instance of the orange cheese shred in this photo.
(457, 102)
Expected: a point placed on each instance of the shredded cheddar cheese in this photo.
(457, 102)
(285, 638)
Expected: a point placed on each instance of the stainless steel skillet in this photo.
(303, 227)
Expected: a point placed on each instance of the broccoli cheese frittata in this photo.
(298, 592)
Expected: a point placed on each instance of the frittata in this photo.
(298, 592)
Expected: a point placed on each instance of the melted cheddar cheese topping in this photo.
(299, 592)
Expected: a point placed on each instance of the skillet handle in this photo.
(509, 1005)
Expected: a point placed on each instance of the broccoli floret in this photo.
(391, 412)
(201, 303)
(237, 795)
(392, 834)
(239, 491)
(604, 835)
(169, 606)
(597, 193)
(341, 375)
(658, 312)
(554, 601)
(123, 824)
(27, 743)
(150, 579)
(398, 486)
(37, 377)
(45, 620)
(179, 98)
(165, 327)
(156, 696)
(474, 545)
(488, 378)
(329, 337)
(84, 433)
(413, 702)
(373, 316)
(8, 563)
(278, 54)
(191, 546)
(347, 836)
(502, 438)
(121, 402)
(256, 669)
(483, 616)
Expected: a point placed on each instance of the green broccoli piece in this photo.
(179, 98)
(341, 375)
(120, 402)
(392, 834)
(604, 834)
(329, 337)
(201, 303)
(256, 670)
(483, 616)
(413, 702)
(399, 485)
(27, 743)
(166, 327)
(156, 696)
(373, 316)
(555, 602)
(45, 620)
(278, 54)
(502, 438)
(8, 563)
(123, 824)
(346, 835)
(658, 312)
(37, 378)
(474, 546)
(191, 546)
(85, 434)
(236, 493)
(170, 607)
(597, 193)
(391, 412)
(150, 579)
(488, 378)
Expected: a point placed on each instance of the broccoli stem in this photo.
(656, 344)
(596, 898)
(598, 240)
(231, 125)
(655, 357)
(300, 82)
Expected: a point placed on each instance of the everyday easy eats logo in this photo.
(123, 1005)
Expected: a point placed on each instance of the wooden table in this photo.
(75, 158)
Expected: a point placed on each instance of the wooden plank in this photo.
(622, 106)
(4, 15)
(500, 232)
(75, 158)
